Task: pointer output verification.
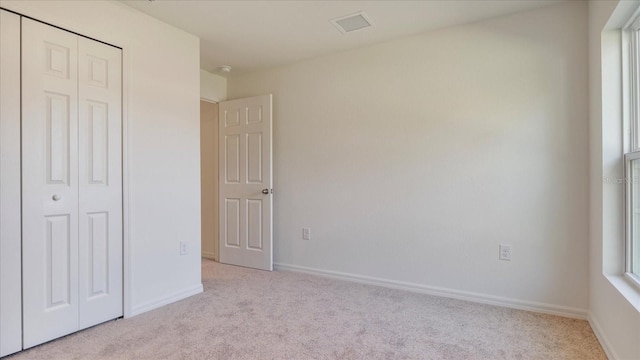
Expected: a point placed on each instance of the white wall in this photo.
(10, 205)
(212, 87)
(412, 160)
(613, 318)
(162, 171)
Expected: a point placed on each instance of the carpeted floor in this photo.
(250, 314)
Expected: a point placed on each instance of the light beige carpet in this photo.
(250, 314)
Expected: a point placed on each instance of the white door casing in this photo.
(71, 182)
(245, 151)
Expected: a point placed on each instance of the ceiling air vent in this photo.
(351, 22)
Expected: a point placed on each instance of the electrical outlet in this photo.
(505, 252)
(306, 234)
(184, 248)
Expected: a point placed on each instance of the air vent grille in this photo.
(352, 22)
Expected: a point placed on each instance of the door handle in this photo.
(266, 191)
(56, 197)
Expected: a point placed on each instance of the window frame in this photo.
(629, 246)
(631, 133)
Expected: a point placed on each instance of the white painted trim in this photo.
(629, 290)
(166, 300)
(127, 244)
(602, 338)
(208, 255)
(559, 310)
(213, 101)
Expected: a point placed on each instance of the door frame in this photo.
(127, 266)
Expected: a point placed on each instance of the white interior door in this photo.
(245, 182)
(49, 182)
(100, 182)
(71, 183)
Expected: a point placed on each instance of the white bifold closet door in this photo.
(71, 182)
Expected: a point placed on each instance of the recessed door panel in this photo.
(254, 158)
(98, 142)
(232, 223)
(98, 254)
(254, 114)
(232, 159)
(98, 71)
(254, 224)
(57, 59)
(58, 257)
(231, 117)
(57, 119)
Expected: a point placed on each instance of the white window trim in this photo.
(631, 122)
(628, 157)
(608, 125)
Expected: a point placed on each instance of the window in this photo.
(632, 150)
(632, 160)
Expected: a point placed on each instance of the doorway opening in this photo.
(209, 178)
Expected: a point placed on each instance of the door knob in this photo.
(265, 191)
(56, 197)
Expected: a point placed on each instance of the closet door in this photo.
(49, 182)
(71, 182)
(100, 174)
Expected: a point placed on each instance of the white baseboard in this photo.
(208, 255)
(565, 311)
(604, 341)
(166, 300)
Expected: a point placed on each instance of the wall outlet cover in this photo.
(505, 252)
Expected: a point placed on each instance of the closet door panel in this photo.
(100, 181)
(10, 265)
(49, 182)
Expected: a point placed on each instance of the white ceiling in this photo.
(252, 35)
